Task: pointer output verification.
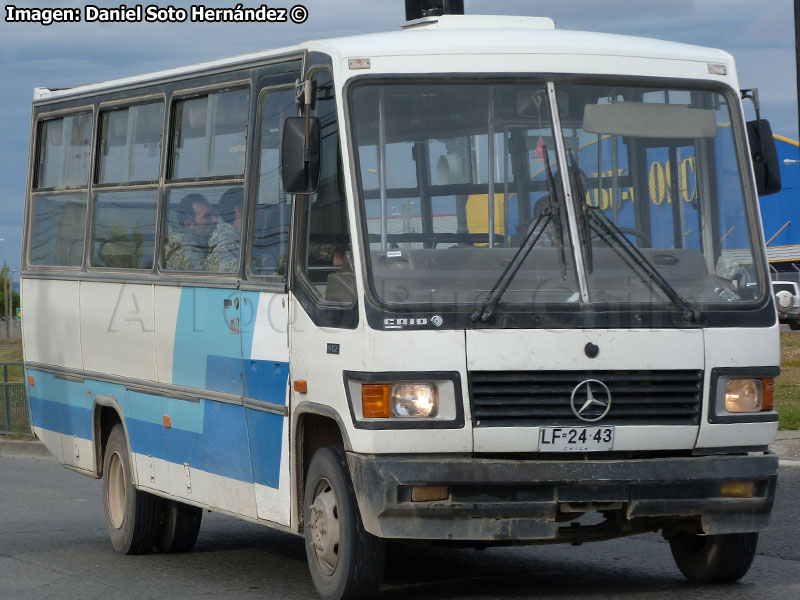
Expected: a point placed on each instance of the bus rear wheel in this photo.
(714, 558)
(345, 561)
(178, 526)
(131, 515)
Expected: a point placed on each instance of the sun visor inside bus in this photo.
(639, 119)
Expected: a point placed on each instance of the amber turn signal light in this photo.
(738, 489)
(429, 493)
(375, 400)
(769, 394)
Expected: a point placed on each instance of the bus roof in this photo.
(446, 35)
(458, 34)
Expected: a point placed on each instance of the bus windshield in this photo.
(455, 176)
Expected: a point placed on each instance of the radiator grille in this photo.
(535, 398)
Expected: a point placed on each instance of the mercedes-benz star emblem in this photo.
(588, 406)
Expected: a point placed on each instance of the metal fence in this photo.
(14, 416)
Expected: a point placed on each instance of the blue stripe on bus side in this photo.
(61, 418)
(211, 436)
(266, 441)
(202, 331)
(266, 380)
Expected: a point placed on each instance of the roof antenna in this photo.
(417, 9)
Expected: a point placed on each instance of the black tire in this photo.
(714, 558)
(131, 515)
(794, 325)
(178, 526)
(353, 567)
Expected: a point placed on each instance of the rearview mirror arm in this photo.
(752, 95)
(307, 98)
(303, 97)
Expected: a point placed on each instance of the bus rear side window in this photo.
(57, 230)
(210, 135)
(64, 149)
(58, 213)
(130, 144)
(124, 229)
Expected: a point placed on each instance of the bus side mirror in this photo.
(300, 162)
(765, 157)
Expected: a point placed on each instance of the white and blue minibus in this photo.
(476, 281)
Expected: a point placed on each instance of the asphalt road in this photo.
(53, 544)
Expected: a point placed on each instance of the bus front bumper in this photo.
(493, 500)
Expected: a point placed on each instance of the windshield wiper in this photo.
(540, 224)
(549, 215)
(581, 207)
(555, 213)
(608, 229)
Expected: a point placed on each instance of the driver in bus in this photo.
(186, 246)
(223, 247)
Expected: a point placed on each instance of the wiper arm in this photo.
(581, 212)
(540, 224)
(551, 214)
(555, 212)
(608, 229)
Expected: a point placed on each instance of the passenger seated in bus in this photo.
(338, 257)
(186, 245)
(223, 247)
(341, 284)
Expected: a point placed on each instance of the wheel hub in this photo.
(324, 524)
(116, 490)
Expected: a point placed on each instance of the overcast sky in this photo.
(760, 35)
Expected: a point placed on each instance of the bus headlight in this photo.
(744, 395)
(415, 400)
(400, 400)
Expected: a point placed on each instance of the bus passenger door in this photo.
(265, 310)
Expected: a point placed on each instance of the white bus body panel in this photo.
(167, 301)
(737, 348)
(363, 349)
(52, 332)
(117, 329)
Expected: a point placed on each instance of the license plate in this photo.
(576, 439)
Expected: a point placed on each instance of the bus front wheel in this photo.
(345, 560)
(714, 558)
(131, 515)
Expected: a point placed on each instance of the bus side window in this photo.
(270, 239)
(324, 249)
(58, 219)
(124, 220)
(124, 229)
(205, 187)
